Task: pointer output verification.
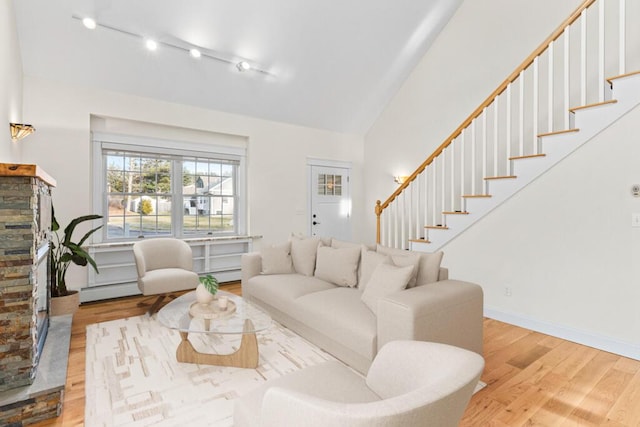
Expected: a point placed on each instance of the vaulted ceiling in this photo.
(325, 64)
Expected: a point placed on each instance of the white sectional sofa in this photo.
(350, 300)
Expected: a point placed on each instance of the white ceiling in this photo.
(333, 64)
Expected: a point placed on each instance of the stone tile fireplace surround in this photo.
(30, 367)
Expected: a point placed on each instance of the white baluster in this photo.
(536, 100)
(583, 58)
(601, 77)
(473, 158)
(426, 193)
(508, 132)
(622, 37)
(521, 115)
(434, 183)
(403, 215)
(443, 184)
(452, 159)
(462, 164)
(495, 135)
(565, 112)
(484, 147)
(550, 92)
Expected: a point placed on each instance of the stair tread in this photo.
(436, 227)
(501, 177)
(528, 156)
(596, 104)
(620, 76)
(476, 196)
(558, 132)
(455, 213)
(419, 240)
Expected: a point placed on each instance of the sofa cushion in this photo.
(385, 280)
(429, 263)
(276, 259)
(369, 260)
(338, 266)
(280, 290)
(340, 314)
(303, 254)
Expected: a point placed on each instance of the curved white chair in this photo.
(410, 383)
(164, 265)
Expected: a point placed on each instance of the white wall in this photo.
(564, 245)
(10, 83)
(277, 153)
(566, 248)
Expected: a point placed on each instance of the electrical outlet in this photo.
(635, 219)
(507, 291)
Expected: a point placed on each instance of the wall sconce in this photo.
(400, 179)
(19, 131)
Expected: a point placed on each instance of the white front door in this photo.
(330, 202)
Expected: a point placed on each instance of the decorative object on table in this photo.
(206, 290)
(223, 303)
(63, 252)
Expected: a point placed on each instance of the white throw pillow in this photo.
(303, 254)
(429, 269)
(338, 266)
(410, 258)
(369, 260)
(385, 280)
(338, 244)
(277, 259)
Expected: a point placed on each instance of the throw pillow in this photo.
(277, 259)
(303, 254)
(385, 280)
(338, 266)
(408, 259)
(335, 243)
(429, 263)
(369, 260)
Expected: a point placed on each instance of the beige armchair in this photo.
(410, 383)
(164, 265)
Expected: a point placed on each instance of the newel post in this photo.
(378, 213)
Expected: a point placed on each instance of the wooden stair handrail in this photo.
(512, 77)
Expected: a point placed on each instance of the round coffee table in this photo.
(186, 316)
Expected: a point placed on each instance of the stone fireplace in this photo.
(25, 232)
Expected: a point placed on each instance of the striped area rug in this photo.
(133, 378)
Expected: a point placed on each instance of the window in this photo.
(159, 191)
(208, 191)
(329, 185)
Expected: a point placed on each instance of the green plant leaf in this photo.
(54, 223)
(89, 233)
(68, 231)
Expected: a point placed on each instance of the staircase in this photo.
(558, 99)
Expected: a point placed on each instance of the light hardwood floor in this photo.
(532, 378)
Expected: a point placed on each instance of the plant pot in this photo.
(203, 296)
(67, 304)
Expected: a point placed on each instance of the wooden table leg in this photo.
(245, 357)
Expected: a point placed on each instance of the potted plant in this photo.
(206, 290)
(62, 253)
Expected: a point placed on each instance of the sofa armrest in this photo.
(443, 274)
(447, 311)
(251, 264)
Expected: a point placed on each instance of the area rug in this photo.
(133, 378)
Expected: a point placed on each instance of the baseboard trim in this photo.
(581, 337)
